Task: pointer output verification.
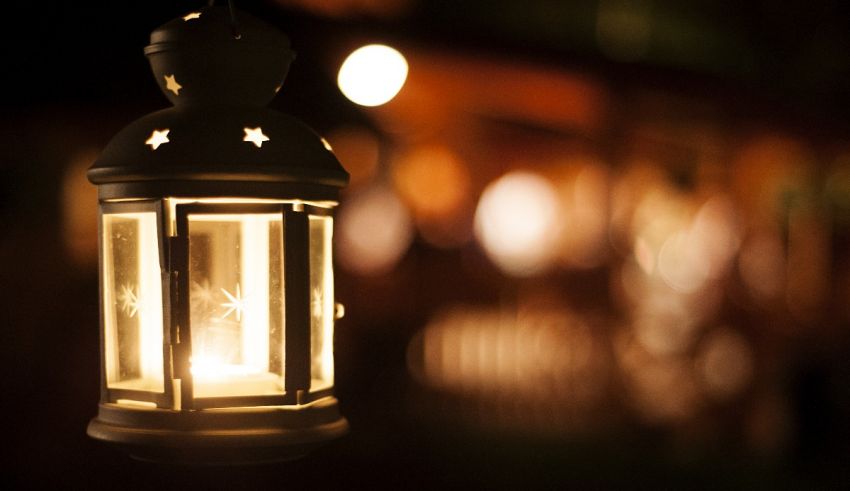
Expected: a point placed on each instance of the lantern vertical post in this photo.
(297, 285)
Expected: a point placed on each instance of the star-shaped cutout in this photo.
(129, 301)
(255, 136)
(157, 138)
(327, 145)
(237, 303)
(172, 85)
(192, 15)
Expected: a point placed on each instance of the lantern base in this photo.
(219, 436)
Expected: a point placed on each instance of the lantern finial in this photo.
(213, 64)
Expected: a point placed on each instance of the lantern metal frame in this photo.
(226, 79)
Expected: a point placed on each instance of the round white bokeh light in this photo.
(372, 75)
(517, 224)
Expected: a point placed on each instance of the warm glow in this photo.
(79, 211)
(683, 245)
(512, 361)
(150, 315)
(213, 368)
(236, 298)
(214, 378)
(132, 402)
(255, 272)
(725, 362)
(664, 329)
(172, 85)
(372, 75)
(680, 264)
(157, 138)
(171, 204)
(232, 312)
(432, 181)
(761, 265)
(255, 136)
(661, 389)
(132, 302)
(322, 303)
(517, 222)
(583, 186)
(374, 231)
(359, 149)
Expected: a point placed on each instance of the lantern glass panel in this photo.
(236, 304)
(132, 302)
(322, 303)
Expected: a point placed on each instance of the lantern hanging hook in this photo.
(234, 25)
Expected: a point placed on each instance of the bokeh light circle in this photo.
(517, 224)
(372, 75)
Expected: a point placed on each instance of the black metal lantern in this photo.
(217, 305)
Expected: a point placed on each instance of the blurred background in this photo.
(591, 243)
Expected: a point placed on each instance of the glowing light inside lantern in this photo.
(132, 301)
(236, 294)
(230, 266)
(322, 308)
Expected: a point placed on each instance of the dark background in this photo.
(75, 75)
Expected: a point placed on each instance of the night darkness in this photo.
(75, 74)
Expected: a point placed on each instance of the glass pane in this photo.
(132, 302)
(236, 304)
(322, 303)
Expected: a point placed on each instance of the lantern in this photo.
(216, 280)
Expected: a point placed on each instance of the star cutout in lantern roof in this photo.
(157, 138)
(255, 136)
(192, 15)
(172, 85)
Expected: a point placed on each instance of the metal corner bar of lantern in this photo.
(222, 166)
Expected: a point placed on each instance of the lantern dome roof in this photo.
(165, 151)
(219, 75)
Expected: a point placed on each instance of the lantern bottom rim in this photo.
(253, 435)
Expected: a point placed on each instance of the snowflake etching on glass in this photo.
(129, 300)
(237, 303)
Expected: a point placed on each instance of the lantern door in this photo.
(134, 282)
(253, 307)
